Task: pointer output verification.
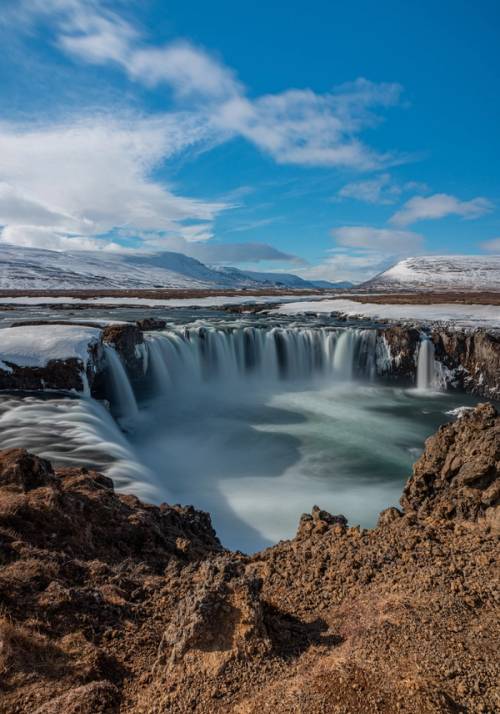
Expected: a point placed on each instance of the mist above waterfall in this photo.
(250, 420)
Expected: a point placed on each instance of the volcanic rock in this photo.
(112, 605)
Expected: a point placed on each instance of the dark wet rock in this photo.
(57, 375)
(151, 323)
(128, 341)
(474, 356)
(403, 344)
(471, 358)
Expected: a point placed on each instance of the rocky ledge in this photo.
(467, 359)
(111, 605)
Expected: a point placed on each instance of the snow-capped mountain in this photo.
(440, 272)
(38, 269)
(288, 280)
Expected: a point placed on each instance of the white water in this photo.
(426, 373)
(193, 356)
(253, 424)
(75, 432)
(123, 397)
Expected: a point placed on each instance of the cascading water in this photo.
(195, 355)
(426, 376)
(253, 423)
(123, 399)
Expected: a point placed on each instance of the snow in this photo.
(36, 345)
(38, 269)
(461, 315)
(446, 272)
(211, 301)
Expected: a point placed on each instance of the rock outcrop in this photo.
(470, 358)
(47, 356)
(128, 341)
(473, 357)
(111, 605)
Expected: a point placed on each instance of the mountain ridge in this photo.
(41, 269)
(439, 272)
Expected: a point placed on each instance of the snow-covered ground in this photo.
(24, 268)
(211, 301)
(441, 272)
(36, 345)
(461, 315)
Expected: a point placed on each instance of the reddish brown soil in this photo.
(112, 605)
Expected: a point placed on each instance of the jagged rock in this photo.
(128, 341)
(104, 596)
(219, 620)
(318, 522)
(23, 471)
(457, 476)
(151, 323)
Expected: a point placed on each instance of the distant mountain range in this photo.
(440, 273)
(37, 269)
(288, 280)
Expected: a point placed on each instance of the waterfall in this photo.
(425, 365)
(194, 355)
(123, 399)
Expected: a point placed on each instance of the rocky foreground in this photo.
(108, 604)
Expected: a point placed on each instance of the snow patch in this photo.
(37, 345)
(460, 315)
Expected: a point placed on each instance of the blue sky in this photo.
(327, 139)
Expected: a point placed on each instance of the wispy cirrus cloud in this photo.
(386, 240)
(379, 190)
(296, 126)
(439, 205)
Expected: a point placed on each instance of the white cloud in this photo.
(492, 245)
(439, 205)
(91, 177)
(346, 266)
(381, 190)
(378, 190)
(297, 126)
(386, 240)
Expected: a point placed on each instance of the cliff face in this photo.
(468, 360)
(471, 358)
(474, 358)
(112, 605)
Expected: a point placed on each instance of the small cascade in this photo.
(122, 394)
(426, 374)
(344, 354)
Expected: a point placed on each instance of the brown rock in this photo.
(94, 698)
